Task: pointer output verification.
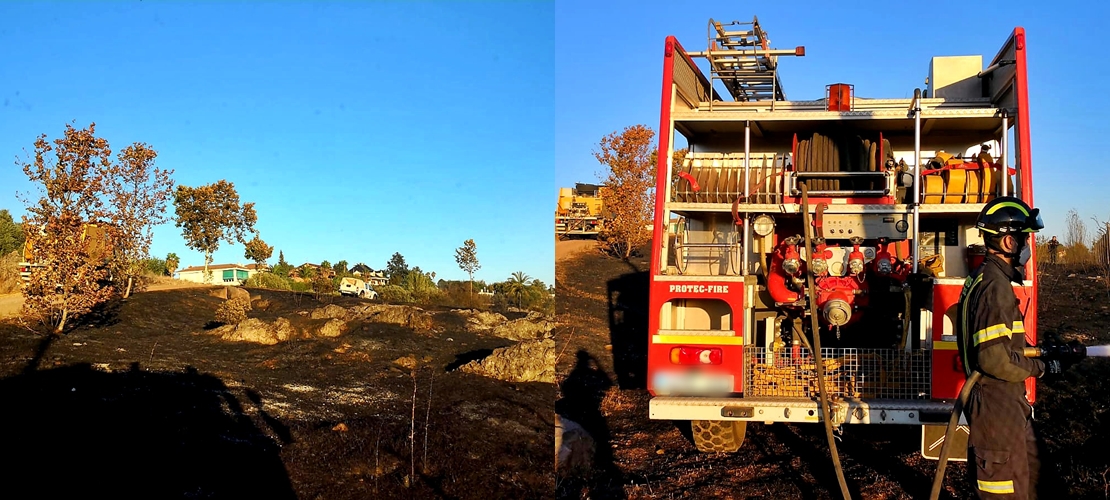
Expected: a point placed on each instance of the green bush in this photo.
(270, 281)
(323, 285)
(155, 267)
(298, 286)
(459, 297)
(394, 293)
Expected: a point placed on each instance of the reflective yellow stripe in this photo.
(991, 333)
(1008, 204)
(1019, 326)
(997, 486)
(697, 339)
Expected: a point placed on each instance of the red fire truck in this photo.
(848, 217)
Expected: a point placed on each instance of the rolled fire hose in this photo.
(816, 330)
(957, 409)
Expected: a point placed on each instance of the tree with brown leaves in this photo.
(70, 174)
(210, 214)
(258, 251)
(631, 186)
(139, 192)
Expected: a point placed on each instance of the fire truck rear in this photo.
(889, 190)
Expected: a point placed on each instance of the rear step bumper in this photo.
(859, 411)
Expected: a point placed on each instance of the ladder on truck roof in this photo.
(742, 61)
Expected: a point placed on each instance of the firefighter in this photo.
(1053, 244)
(1002, 448)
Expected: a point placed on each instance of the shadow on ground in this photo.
(583, 391)
(77, 432)
(628, 326)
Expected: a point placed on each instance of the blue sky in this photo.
(609, 58)
(359, 129)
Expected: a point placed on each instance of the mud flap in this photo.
(932, 438)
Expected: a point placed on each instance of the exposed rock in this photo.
(330, 311)
(333, 328)
(480, 321)
(232, 292)
(528, 361)
(283, 330)
(261, 304)
(532, 327)
(257, 331)
(574, 447)
(407, 316)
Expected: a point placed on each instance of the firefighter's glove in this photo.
(1055, 368)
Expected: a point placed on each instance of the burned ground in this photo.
(602, 339)
(152, 403)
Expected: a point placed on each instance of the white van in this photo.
(356, 287)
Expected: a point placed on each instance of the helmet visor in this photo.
(1033, 222)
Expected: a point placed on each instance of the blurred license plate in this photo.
(677, 383)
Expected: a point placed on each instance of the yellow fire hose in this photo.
(957, 409)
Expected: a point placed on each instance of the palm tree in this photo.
(172, 261)
(516, 286)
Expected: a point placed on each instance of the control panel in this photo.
(867, 226)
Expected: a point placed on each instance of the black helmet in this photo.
(1006, 214)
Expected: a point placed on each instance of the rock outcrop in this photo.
(532, 327)
(528, 361)
(258, 331)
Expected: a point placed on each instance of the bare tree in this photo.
(210, 214)
(1077, 230)
(467, 257)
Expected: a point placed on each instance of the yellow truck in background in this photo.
(100, 247)
(580, 211)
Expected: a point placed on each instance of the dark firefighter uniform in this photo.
(1002, 448)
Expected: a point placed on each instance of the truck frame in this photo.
(96, 233)
(580, 211)
(893, 188)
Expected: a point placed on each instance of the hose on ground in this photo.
(815, 328)
(953, 422)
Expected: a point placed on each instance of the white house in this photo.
(222, 274)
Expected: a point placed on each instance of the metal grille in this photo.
(849, 373)
(688, 82)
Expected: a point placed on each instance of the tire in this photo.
(712, 436)
(362, 295)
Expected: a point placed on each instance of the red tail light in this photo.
(695, 356)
